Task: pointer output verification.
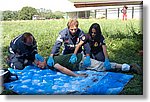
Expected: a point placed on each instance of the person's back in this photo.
(22, 50)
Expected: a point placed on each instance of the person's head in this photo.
(73, 26)
(95, 30)
(40, 61)
(125, 7)
(40, 64)
(28, 39)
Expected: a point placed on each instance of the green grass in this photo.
(123, 38)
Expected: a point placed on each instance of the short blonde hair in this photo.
(73, 22)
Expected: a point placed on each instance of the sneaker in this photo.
(136, 69)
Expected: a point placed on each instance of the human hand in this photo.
(107, 64)
(87, 61)
(38, 57)
(73, 58)
(50, 61)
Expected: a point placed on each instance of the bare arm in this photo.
(67, 71)
(105, 51)
(78, 46)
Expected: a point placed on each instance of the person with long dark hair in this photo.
(97, 44)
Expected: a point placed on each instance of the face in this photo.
(93, 32)
(40, 64)
(73, 29)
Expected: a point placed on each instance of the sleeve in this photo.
(58, 44)
(102, 40)
(35, 47)
(64, 61)
(85, 39)
(87, 48)
(34, 51)
(12, 48)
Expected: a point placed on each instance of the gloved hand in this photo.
(38, 57)
(73, 58)
(107, 64)
(50, 61)
(87, 61)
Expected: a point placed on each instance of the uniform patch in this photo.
(59, 38)
(95, 44)
(83, 38)
(103, 41)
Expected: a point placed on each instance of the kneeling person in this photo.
(22, 51)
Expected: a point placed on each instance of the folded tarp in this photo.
(35, 81)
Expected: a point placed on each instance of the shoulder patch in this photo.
(103, 41)
(83, 38)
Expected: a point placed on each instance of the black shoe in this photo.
(136, 69)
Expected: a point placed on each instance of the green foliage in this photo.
(9, 15)
(26, 13)
(51, 15)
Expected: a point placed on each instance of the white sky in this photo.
(54, 5)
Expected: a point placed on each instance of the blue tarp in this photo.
(33, 80)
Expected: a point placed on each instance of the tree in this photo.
(7, 15)
(26, 13)
(58, 14)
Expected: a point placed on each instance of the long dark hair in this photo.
(97, 27)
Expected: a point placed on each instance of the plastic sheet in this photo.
(33, 80)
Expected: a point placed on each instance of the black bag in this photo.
(7, 76)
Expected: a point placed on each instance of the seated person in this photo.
(62, 64)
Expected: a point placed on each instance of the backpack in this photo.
(7, 76)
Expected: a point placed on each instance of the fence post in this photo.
(132, 12)
(95, 13)
(106, 14)
(118, 12)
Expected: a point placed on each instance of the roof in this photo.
(97, 3)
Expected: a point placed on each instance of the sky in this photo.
(54, 5)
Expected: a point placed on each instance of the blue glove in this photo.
(73, 58)
(50, 61)
(38, 57)
(87, 61)
(107, 64)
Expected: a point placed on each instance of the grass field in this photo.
(123, 38)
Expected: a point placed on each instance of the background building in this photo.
(108, 9)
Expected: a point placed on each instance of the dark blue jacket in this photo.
(69, 42)
(96, 46)
(23, 51)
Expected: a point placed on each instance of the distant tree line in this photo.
(26, 13)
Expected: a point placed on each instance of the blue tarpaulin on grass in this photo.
(33, 80)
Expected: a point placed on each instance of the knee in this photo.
(100, 58)
(17, 65)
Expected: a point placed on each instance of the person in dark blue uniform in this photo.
(70, 37)
(97, 45)
(22, 51)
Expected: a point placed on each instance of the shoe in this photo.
(136, 69)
